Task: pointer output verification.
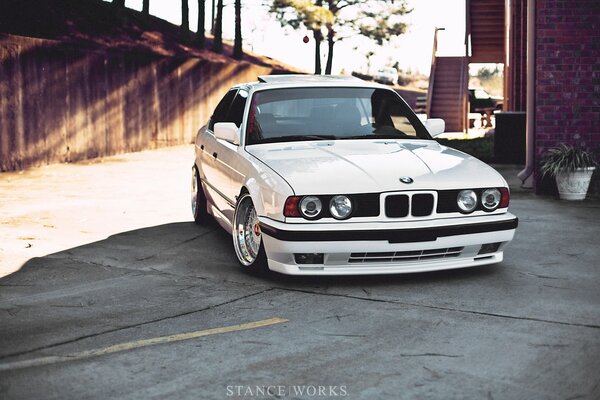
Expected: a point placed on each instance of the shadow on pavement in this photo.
(204, 252)
(146, 275)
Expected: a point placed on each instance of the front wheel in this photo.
(247, 239)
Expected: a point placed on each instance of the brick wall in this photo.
(567, 78)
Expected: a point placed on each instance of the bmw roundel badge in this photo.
(406, 179)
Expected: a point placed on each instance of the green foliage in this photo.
(298, 13)
(490, 79)
(566, 158)
(377, 20)
(380, 27)
(487, 73)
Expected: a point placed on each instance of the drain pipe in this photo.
(530, 118)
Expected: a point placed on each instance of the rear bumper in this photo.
(382, 248)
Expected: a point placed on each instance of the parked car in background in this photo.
(387, 75)
(322, 175)
(482, 102)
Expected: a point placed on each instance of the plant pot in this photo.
(574, 185)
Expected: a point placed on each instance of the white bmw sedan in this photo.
(322, 175)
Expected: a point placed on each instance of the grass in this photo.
(481, 148)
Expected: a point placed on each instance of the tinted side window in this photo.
(222, 109)
(236, 111)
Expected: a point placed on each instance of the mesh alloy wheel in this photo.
(247, 239)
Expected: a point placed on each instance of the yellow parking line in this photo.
(137, 344)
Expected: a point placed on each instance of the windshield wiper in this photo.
(296, 138)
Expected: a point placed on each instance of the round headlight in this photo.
(466, 200)
(340, 207)
(310, 206)
(490, 199)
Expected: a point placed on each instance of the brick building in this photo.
(565, 43)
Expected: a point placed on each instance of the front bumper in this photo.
(384, 248)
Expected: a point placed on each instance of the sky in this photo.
(264, 35)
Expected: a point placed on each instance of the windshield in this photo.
(293, 114)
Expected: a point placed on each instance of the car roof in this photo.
(285, 81)
(303, 78)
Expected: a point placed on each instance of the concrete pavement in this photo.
(127, 265)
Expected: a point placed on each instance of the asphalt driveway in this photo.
(110, 291)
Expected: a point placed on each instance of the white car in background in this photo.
(328, 175)
(387, 75)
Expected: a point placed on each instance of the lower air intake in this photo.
(405, 256)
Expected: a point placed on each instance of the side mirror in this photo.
(435, 126)
(227, 131)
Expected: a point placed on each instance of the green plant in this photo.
(566, 158)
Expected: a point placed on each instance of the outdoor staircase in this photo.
(447, 94)
(485, 26)
(447, 97)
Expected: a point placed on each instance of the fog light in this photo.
(489, 248)
(308, 258)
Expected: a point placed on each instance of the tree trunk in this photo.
(330, 43)
(212, 17)
(119, 3)
(146, 7)
(318, 39)
(238, 51)
(218, 41)
(185, 17)
(201, 28)
(318, 35)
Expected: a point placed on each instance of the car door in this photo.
(211, 173)
(227, 159)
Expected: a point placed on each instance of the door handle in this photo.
(215, 155)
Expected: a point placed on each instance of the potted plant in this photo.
(572, 167)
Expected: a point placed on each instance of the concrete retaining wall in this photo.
(60, 104)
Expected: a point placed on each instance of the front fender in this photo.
(268, 191)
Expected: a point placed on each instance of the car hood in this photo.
(373, 166)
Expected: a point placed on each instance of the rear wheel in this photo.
(198, 199)
(247, 238)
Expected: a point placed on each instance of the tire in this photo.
(198, 199)
(247, 239)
